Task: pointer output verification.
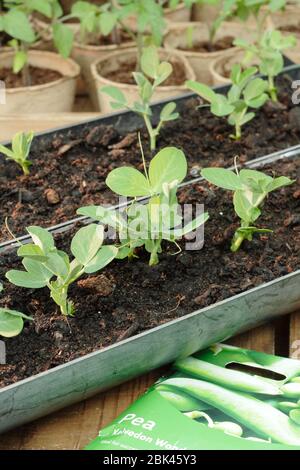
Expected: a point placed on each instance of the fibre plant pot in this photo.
(195, 329)
(86, 54)
(73, 153)
(102, 68)
(53, 97)
(220, 68)
(179, 14)
(287, 20)
(199, 57)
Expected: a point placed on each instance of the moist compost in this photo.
(127, 298)
(38, 76)
(70, 167)
(123, 73)
(205, 46)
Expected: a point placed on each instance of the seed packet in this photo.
(221, 398)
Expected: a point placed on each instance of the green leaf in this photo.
(104, 256)
(165, 69)
(203, 90)
(57, 264)
(150, 62)
(6, 151)
(128, 181)
(168, 165)
(279, 182)
(11, 322)
(115, 93)
(107, 22)
(41, 6)
(63, 38)
(17, 25)
(167, 113)
(244, 208)
(32, 251)
(222, 178)
(221, 106)
(254, 89)
(25, 279)
(87, 242)
(20, 59)
(41, 238)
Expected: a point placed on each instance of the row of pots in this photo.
(96, 63)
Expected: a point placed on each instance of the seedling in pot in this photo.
(268, 52)
(250, 189)
(246, 92)
(20, 149)
(46, 266)
(154, 73)
(16, 23)
(11, 321)
(148, 225)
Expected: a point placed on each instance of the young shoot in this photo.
(268, 51)
(159, 219)
(20, 149)
(153, 74)
(11, 321)
(246, 92)
(46, 266)
(250, 189)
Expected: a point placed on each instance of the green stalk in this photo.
(154, 256)
(272, 89)
(151, 132)
(237, 241)
(260, 417)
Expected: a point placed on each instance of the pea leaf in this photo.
(11, 322)
(128, 181)
(222, 178)
(17, 25)
(32, 251)
(104, 256)
(42, 238)
(87, 242)
(203, 90)
(63, 38)
(167, 166)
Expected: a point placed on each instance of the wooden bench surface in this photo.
(75, 426)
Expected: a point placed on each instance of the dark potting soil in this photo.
(109, 40)
(123, 74)
(219, 45)
(38, 76)
(130, 297)
(70, 171)
(295, 28)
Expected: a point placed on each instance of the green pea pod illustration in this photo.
(260, 417)
(181, 400)
(229, 378)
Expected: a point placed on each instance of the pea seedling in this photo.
(153, 74)
(11, 321)
(148, 225)
(43, 262)
(250, 189)
(245, 93)
(16, 23)
(269, 53)
(20, 149)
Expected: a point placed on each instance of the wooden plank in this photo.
(295, 336)
(261, 339)
(75, 426)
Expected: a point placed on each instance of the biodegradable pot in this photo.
(208, 13)
(85, 55)
(200, 61)
(101, 68)
(83, 377)
(221, 67)
(52, 97)
(178, 14)
(288, 19)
